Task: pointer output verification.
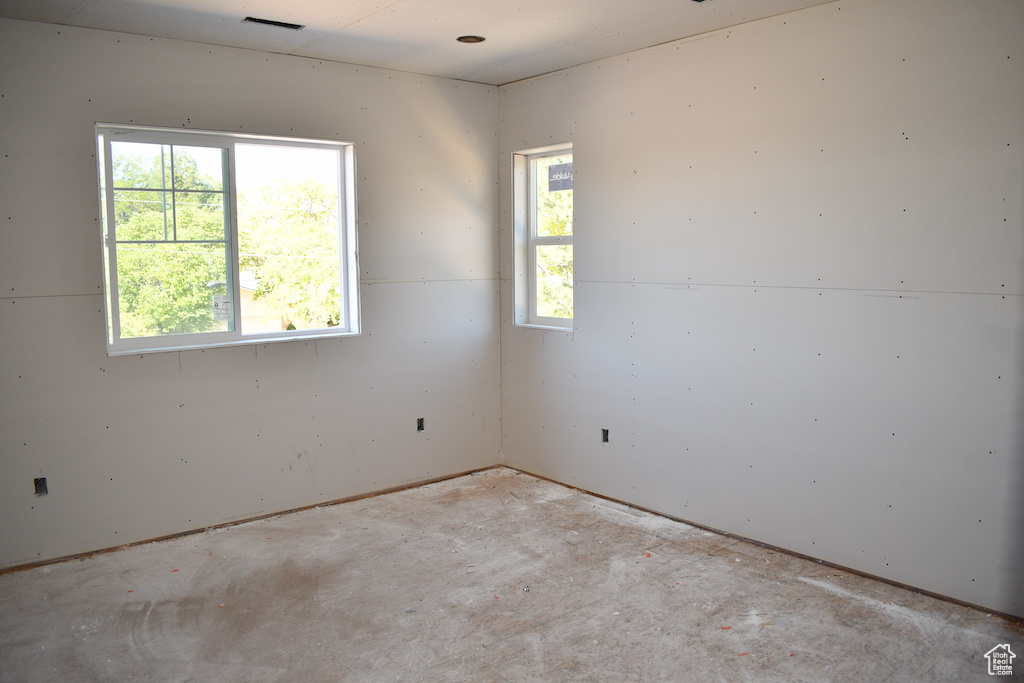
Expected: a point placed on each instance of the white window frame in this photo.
(349, 325)
(524, 218)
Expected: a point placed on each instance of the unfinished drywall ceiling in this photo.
(523, 38)
(136, 447)
(799, 292)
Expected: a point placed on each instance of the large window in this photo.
(543, 227)
(213, 239)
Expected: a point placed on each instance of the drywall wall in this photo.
(137, 447)
(799, 287)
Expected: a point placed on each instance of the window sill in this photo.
(253, 341)
(551, 328)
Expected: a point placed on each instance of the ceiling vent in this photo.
(271, 22)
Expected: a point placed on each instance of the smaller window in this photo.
(543, 216)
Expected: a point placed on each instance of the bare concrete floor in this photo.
(495, 576)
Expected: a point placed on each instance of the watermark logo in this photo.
(1000, 660)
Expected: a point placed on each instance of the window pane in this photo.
(288, 236)
(554, 195)
(199, 216)
(142, 215)
(198, 168)
(141, 164)
(169, 288)
(554, 281)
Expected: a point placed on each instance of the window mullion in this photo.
(553, 239)
(231, 235)
(174, 199)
